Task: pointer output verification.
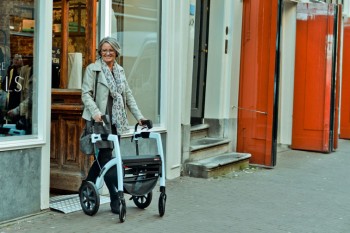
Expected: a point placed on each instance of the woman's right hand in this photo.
(97, 118)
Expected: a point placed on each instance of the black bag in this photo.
(85, 143)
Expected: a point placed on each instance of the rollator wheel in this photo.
(143, 201)
(122, 210)
(161, 204)
(89, 198)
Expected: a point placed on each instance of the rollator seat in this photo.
(137, 160)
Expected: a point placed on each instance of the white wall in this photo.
(223, 69)
(216, 91)
(287, 73)
(188, 37)
(235, 51)
(44, 95)
(175, 32)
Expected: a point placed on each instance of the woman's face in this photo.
(108, 53)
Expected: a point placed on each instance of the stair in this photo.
(210, 156)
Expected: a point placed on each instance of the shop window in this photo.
(17, 29)
(136, 25)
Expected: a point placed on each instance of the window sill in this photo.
(20, 142)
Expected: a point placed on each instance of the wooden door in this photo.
(345, 94)
(257, 81)
(68, 166)
(314, 82)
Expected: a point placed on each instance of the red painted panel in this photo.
(345, 94)
(256, 91)
(313, 75)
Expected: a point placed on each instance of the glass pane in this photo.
(17, 30)
(136, 25)
(71, 77)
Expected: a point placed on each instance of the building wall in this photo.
(287, 73)
(223, 69)
(20, 179)
(25, 161)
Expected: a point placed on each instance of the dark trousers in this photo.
(110, 178)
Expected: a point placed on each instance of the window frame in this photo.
(42, 66)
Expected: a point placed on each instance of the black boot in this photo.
(114, 203)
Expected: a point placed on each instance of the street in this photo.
(306, 192)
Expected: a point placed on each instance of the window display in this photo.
(16, 58)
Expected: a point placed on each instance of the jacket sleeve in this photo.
(130, 101)
(87, 91)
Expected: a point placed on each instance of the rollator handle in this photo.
(146, 123)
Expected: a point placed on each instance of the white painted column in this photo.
(42, 53)
(173, 70)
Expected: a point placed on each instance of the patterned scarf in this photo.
(116, 89)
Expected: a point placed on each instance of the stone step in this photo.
(207, 147)
(199, 131)
(218, 165)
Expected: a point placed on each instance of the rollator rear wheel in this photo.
(143, 201)
(161, 204)
(89, 198)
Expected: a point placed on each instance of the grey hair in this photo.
(112, 41)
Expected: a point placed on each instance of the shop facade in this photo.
(24, 155)
(170, 50)
(58, 39)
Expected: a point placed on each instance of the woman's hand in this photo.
(97, 118)
(13, 112)
(141, 121)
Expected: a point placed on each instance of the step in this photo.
(218, 165)
(199, 131)
(207, 147)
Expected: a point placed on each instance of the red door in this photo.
(345, 94)
(256, 90)
(314, 78)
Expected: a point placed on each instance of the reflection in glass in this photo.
(16, 58)
(136, 25)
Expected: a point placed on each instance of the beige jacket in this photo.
(93, 108)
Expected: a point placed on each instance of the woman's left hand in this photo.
(141, 121)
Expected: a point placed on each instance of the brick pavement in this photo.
(306, 192)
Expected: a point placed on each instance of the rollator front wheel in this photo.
(143, 201)
(89, 198)
(122, 210)
(161, 204)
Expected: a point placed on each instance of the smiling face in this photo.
(108, 54)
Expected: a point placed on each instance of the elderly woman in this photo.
(111, 97)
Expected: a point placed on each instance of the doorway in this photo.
(200, 56)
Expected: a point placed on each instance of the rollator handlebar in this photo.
(146, 123)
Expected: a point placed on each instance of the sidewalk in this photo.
(306, 192)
